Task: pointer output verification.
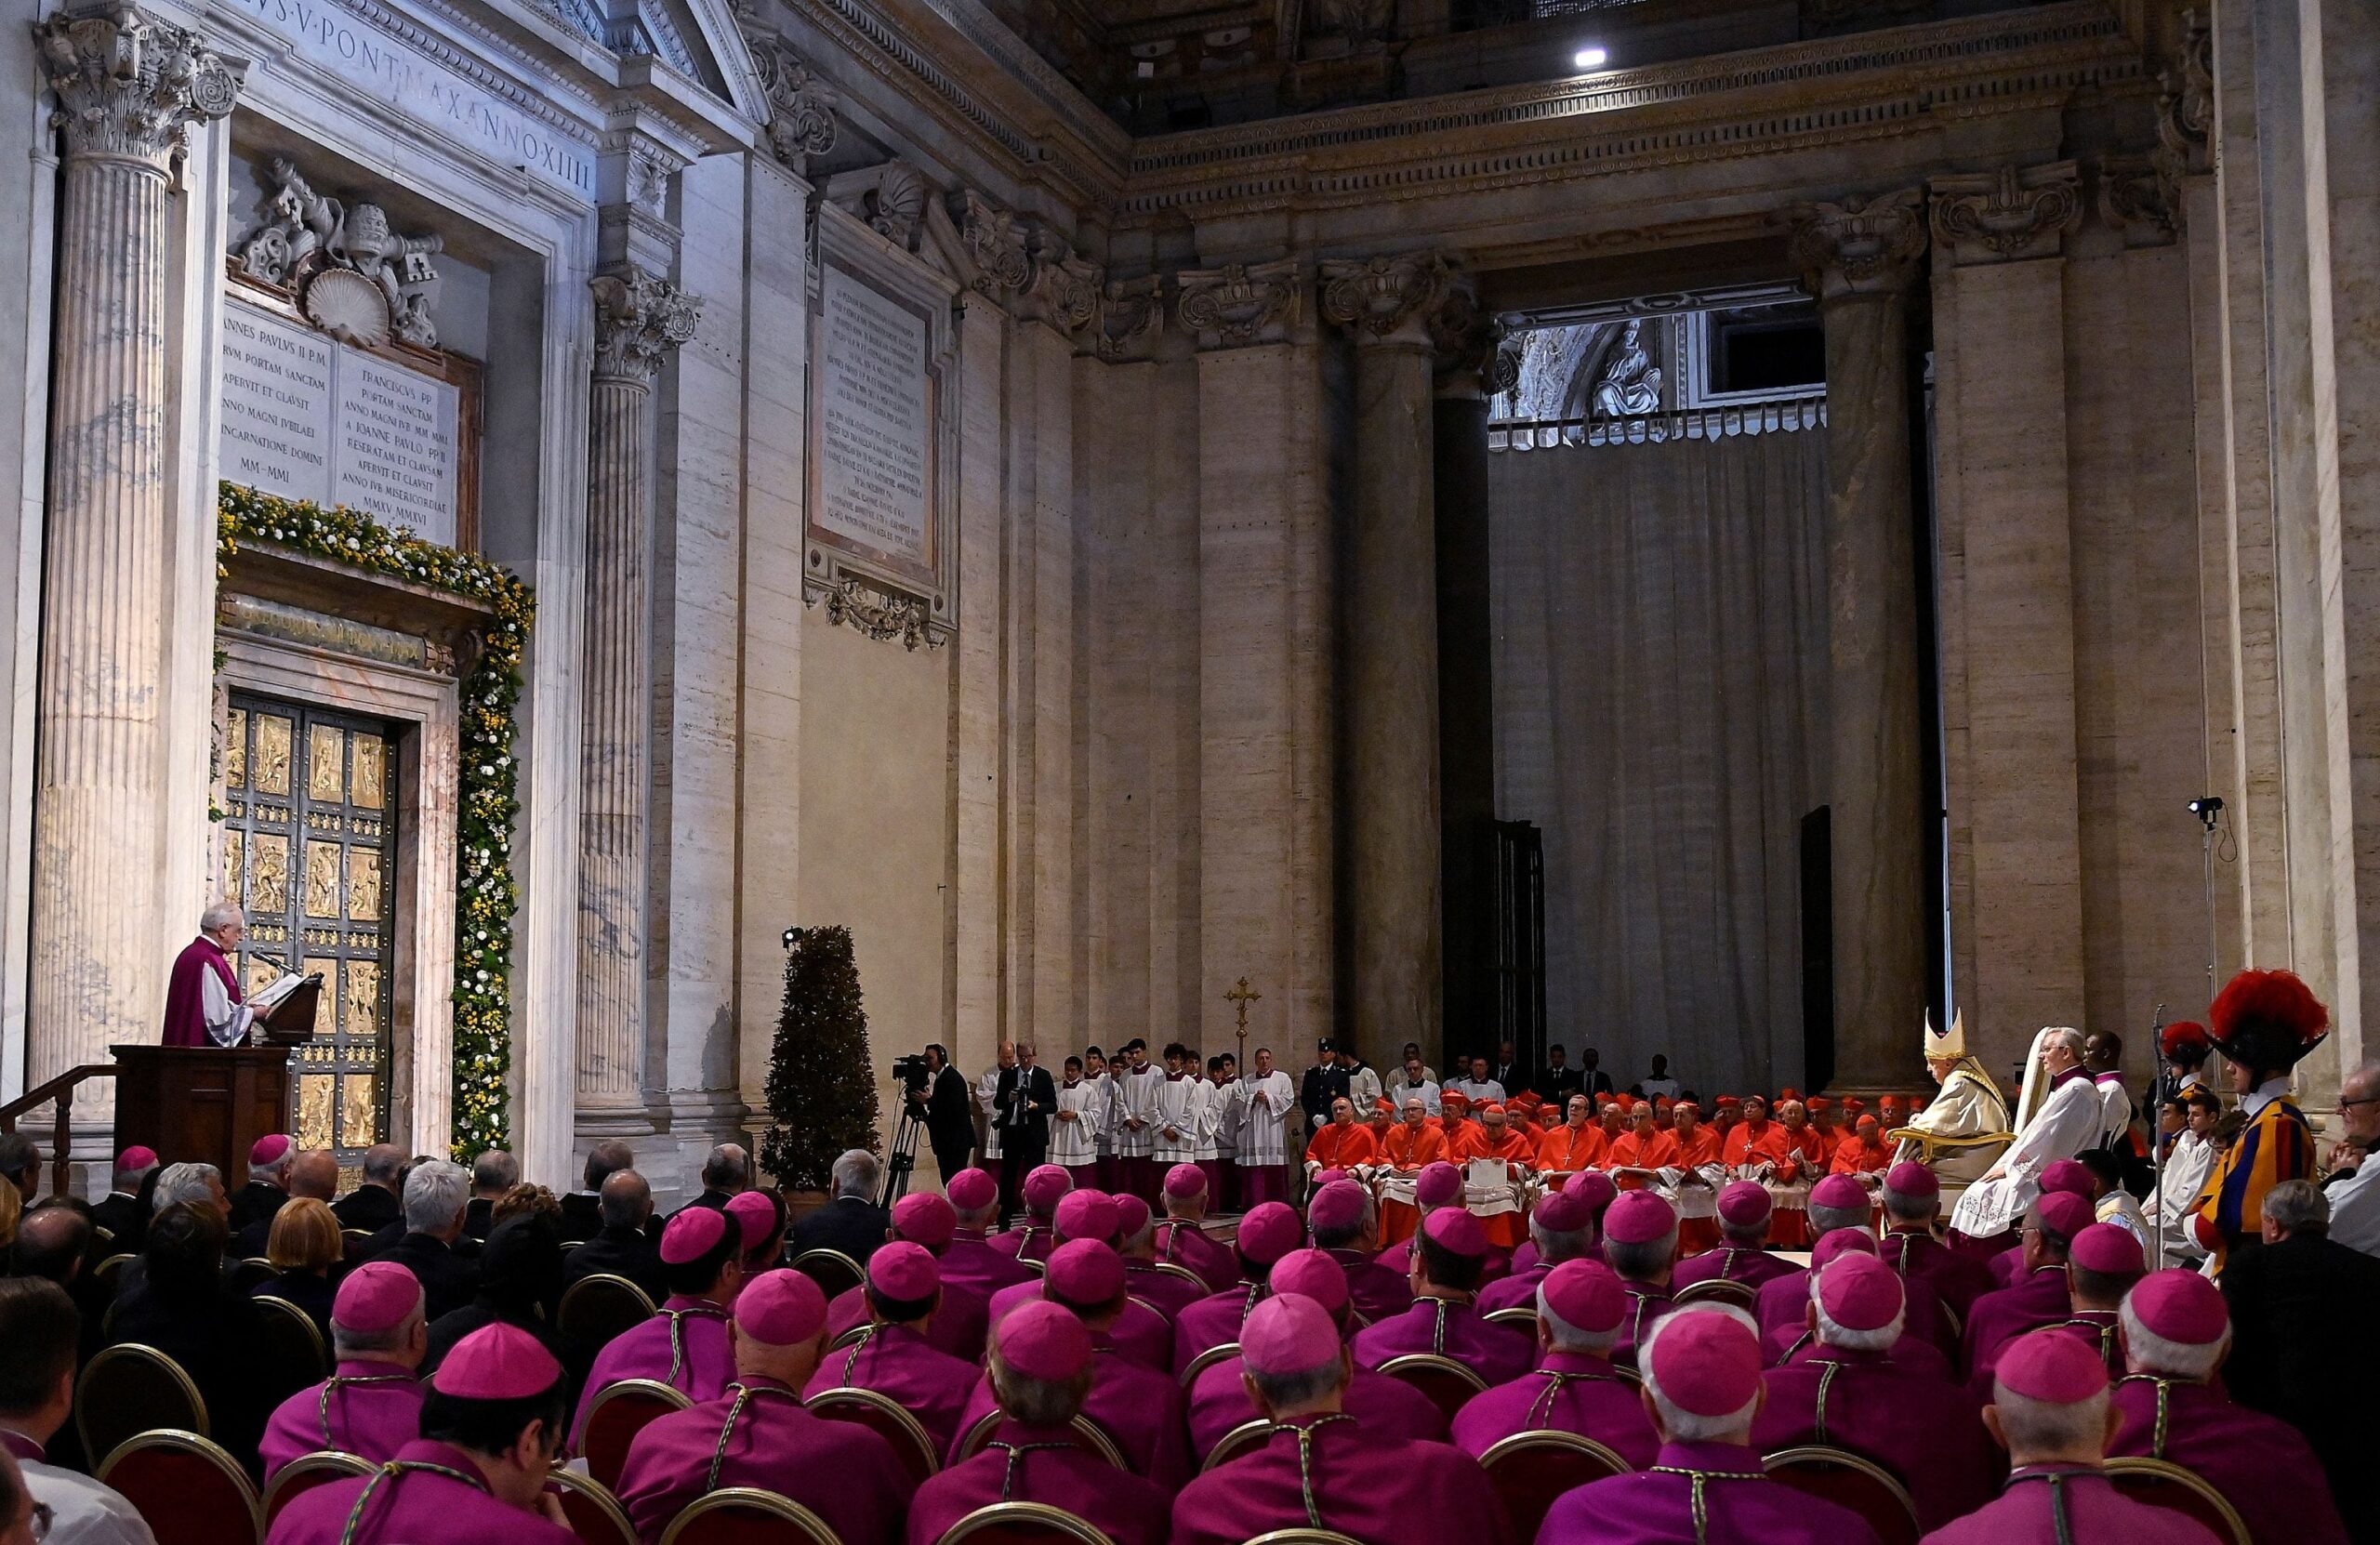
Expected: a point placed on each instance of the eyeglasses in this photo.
(2346, 1105)
(40, 1522)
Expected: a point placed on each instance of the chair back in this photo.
(1305, 1537)
(132, 1389)
(598, 1307)
(1206, 1360)
(1718, 1289)
(352, 1238)
(595, 1516)
(187, 1489)
(832, 1270)
(619, 1413)
(1852, 1481)
(2162, 1484)
(747, 1515)
(1023, 1523)
(290, 1353)
(885, 1417)
(1518, 1315)
(1246, 1438)
(1531, 1469)
(1446, 1381)
(1180, 1272)
(1092, 1438)
(305, 1472)
(106, 1269)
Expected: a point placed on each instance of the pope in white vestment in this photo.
(1967, 1104)
(2067, 1123)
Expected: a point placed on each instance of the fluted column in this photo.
(126, 87)
(1859, 259)
(1391, 753)
(638, 320)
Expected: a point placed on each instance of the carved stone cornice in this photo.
(2015, 212)
(1064, 289)
(2186, 109)
(2135, 199)
(875, 614)
(1239, 303)
(1862, 245)
(1132, 315)
(1392, 298)
(1467, 340)
(640, 318)
(994, 241)
(127, 84)
(802, 107)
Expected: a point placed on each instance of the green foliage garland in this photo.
(486, 895)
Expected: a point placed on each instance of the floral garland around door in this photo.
(485, 896)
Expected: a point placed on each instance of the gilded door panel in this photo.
(308, 849)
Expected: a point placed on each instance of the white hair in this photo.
(1556, 1246)
(1826, 1220)
(2041, 1424)
(1910, 1208)
(1563, 1335)
(2149, 1352)
(2067, 1037)
(1639, 1260)
(854, 1173)
(975, 1218)
(1682, 1425)
(220, 916)
(435, 1192)
(278, 1171)
(185, 1182)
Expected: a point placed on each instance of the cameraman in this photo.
(942, 1101)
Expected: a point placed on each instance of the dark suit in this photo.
(1511, 1076)
(1597, 1083)
(256, 1203)
(847, 1224)
(621, 1252)
(1555, 1084)
(123, 1216)
(2302, 1349)
(1321, 1086)
(214, 1340)
(950, 1122)
(448, 1281)
(369, 1208)
(1022, 1102)
(479, 1216)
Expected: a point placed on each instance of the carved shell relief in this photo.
(354, 276)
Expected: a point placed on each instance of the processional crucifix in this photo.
(1242, 996)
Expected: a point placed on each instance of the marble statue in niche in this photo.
(354, 276)
(1630, 383)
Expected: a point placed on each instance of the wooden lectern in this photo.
(208, 1104)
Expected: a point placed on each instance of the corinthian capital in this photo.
(1132, 313)
(1239, 303)
(994, 240)
(127, 83)
(639, 319)
(1390, 297)
(1862, 245)
(2015, 212)
(801, 108)
(1064, 290)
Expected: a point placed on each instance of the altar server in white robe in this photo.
(1095, 1072)
(1136, 1082)
(1967, 1104)
(1219, 1134)
(1180, 1101)
(1266, 1098)
(2181, 1177)
(2066, 1122)
(1075, 1125)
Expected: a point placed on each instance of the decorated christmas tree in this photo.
(822, 1087)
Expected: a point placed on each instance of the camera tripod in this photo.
(901, 1158)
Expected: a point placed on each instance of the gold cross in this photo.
(1243, 995)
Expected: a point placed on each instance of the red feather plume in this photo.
(2181, 1032)
(2277, 1000)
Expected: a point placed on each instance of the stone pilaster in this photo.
(128, 86)
(639, 321)
(2008, 585)
(1391, 756)
(1858, 257)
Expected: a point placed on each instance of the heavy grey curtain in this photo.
(1660, 667)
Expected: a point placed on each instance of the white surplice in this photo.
(1265, 1106)
(1181, 1103)
(1075, 1142)
(2067, 1123)
(1136, 1100)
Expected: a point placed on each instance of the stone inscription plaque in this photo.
(875, 481)
(309, 417)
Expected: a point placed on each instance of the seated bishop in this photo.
(491, 1433)
(1041, 1364)
(1343, 1223)
(1385, 1408)
(1574, 1387)
(1561, 1227)
(1319, 1467)
(895, 1355)
(1267, 1232)
(755, 1431)
(371, 1405)
(971, 1261)
(1444, 1320)
(685, 1345)
(961, 1324)
(1742, 1252)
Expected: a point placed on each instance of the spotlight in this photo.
(1590, 58)
(792, 936)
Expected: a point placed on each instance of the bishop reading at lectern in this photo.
(202, 1000)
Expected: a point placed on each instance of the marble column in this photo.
(1858, 256)
(1467, 340)
(1390, 751)
(128, 86)
(640, 319)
